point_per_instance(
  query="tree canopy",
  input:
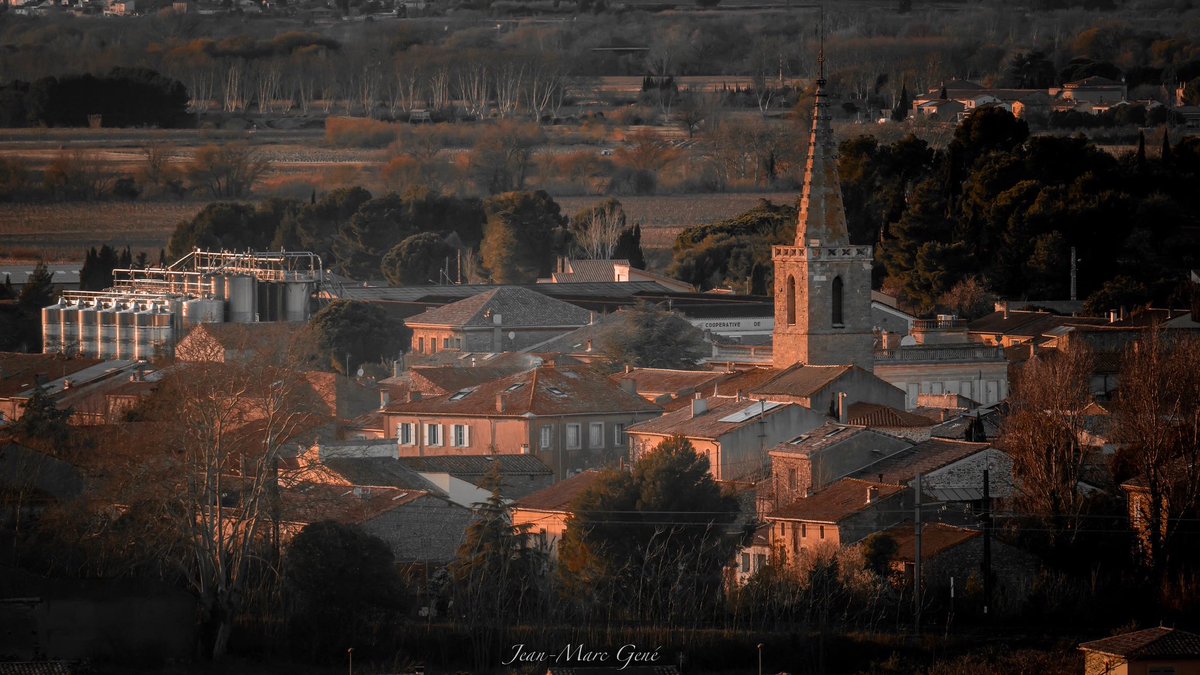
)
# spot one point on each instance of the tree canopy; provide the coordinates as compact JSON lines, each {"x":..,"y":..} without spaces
{"x":651,"y":542}
{"x":350,"y":333}
{"x":522,"y":234}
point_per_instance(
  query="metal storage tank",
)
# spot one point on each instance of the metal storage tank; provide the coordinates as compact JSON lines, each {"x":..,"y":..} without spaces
{"x":52,"y":327}
{"x":106,"y":319}
{"x":126,"y":333}
{"x":69,"y":339}
{"x":163,"y":337}
{"x":86,"y":317}
{"x":206,"y":310}
{"x":295,"y":302}
{"x":216,"y":286}
{"x":242,"y":295}
{"x":142,"y":332}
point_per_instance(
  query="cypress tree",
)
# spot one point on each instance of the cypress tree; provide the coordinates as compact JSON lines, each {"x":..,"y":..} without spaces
{"x":1166,"y":148}
{"x":1141,"y":150}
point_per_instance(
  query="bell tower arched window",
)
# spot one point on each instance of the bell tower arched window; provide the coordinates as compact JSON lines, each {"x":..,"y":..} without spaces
{"x":790,"y":300}
{"x":837,"y":302}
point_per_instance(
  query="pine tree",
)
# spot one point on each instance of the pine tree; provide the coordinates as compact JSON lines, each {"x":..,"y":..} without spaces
{"x":38,"y":291}
{"x":125,"y":260}
{"x":87,"y":273}
{"x":162,"y":257}
{"x":900,"y":112}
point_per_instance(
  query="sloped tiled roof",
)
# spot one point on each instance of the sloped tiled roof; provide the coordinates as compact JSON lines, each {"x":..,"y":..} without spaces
{"x":377,"y":472}
{"x":547,"y":390}
{"x":835,"y":503}
{"x":588,"y":270}
{"x":935,"y":538}
{"x":22,"y":372}
{"x":22,"y":467}
{"x":1027,"y":324}
{"x":577,"y":341}
{"x":1149,"y":643}
{"x":923,"y":457}
{"x":708,"y":424}
{"x":558,"y":497}
{"x":517,"y":307}
{"x":36,"y":668}
{"x":832,"y":433}
{"x":1093,"y":81}
{"x":802,"y":380}
{"x":311,"y":502}
{"x":654,"y":381}
{"x":477,"y":465}
{"x":876,"y":415}
{"x":449,"y":379}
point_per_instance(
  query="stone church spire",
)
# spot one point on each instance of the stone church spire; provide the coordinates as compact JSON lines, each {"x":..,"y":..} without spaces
{"x":822,"y":213}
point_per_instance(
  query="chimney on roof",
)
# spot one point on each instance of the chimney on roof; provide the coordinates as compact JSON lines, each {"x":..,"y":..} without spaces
{"x":591,"y":318}
{"x":589,"y":344}
{"x":699,"y":406}
{"x":67,"y":384}
{"x":1112,"y":316}
{"x":872,"y":494}
{"x":1004,"y":308}
{"x":885,"y":340}
{"x":628,"y":368}
{"x":842,"y":408}
{"x":501,"y":405}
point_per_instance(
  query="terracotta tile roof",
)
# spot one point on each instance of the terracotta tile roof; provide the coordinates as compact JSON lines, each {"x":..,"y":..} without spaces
{"x":449,"y":379}
{"x":835,"y":503}
{"x":576,"y":341}
{"x":245,"y":337}
{"x":923,"y":457}
{"x":657,"y":381}
{"x":876,"y":415}
{"x":477,"y":465}
{"x":712,"y":423}
{"x":517,"y":307}
{"x":312,"y":502}
{"x":559,"y":497}
{"x":801,"y":380}
{"x":377,"y":472}
{"x":546,"y":390}
{"x":745,"y":381}
{"x":1022,"y":323}
{"x":832,"y":433}
{"x":935,"y":538}
{"x":1149,"y":643}
{"x":21,"y":372}
{"x":582,"y":271}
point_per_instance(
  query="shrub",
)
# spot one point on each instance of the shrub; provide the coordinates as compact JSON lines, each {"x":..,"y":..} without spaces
{"x":359,"y":132}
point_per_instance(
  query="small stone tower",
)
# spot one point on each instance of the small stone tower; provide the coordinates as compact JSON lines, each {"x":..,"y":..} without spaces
{"x":823,"y":283}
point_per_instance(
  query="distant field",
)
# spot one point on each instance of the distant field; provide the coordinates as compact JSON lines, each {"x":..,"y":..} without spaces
{"x":66,"y":230}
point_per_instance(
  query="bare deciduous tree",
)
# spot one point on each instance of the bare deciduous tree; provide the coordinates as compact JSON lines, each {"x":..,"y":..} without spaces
{"x":1043,"y":434}
{"x":228,"y":170}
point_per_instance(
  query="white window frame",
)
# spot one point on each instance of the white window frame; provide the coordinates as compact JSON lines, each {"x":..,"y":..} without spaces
{"x":434,"y":437}
{"x":596,"y":434}
{"x":461,"y":437}
{"x":578,"y":436}
{"x":546,"y":439}
{"x":406,"y":433}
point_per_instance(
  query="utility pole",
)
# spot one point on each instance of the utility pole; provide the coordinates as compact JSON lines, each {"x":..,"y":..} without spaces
{"x":917,"y":562}
{"x":987,"y":544}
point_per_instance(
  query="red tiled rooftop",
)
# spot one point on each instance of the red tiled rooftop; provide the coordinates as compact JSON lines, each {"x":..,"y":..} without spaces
{"x":835,"y":503}
{"x":1149,"y":643}
{"x":561,"y":495}
{"x":935,"y":538}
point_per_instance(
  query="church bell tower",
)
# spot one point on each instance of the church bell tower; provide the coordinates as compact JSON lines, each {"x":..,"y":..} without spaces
{"x":823,"y":282}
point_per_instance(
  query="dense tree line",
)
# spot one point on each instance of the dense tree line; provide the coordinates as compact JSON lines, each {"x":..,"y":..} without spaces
{"x":419,"y":237}
{"x":996,"y":207}
{"x":124,"y":97}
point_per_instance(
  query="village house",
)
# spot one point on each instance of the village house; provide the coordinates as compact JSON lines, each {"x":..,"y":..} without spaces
{"x":234,"y":342}
{"x":75,"y":382}
{"x":543,"y":515}
{"x":573,"y":418}
{"x":954,"y":556}
{"x":842,"y":514}
{"x":733,"y":433}
{"x":816,"y":459}
{"x":508,"y":318}
{"x":1152,"y":651}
